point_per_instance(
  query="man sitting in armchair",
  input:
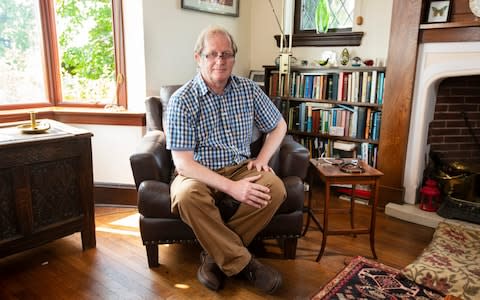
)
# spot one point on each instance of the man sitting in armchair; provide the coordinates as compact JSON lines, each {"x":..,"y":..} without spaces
{"x":209,"y":128}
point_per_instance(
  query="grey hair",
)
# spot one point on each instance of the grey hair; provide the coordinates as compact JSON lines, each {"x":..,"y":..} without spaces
{"x":209,"y":31}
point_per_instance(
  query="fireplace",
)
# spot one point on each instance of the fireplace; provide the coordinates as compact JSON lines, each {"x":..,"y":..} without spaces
{"x":436,"y":61}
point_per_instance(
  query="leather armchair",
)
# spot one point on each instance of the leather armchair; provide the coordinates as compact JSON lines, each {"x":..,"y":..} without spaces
{"x":153,"y":168}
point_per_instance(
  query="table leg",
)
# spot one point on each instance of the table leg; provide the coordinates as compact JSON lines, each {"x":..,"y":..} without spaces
{"x":352,"y":209}
{"x":326,"y":205}
{"x":310,"y":215}
{"x":308,"y":209}
{"x":373,"y":218}
{"x":88,"y":232}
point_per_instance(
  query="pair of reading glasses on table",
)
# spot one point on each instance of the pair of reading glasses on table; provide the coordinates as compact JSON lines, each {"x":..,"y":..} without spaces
{"x":347,"y":166}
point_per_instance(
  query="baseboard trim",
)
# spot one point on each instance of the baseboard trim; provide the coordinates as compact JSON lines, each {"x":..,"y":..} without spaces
{"x":115,"y":194}
{"x":388,"y":194}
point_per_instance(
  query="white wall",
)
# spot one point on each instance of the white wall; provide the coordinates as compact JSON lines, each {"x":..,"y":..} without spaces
{"x":112,"y":146}
{"x":159,"y":49}
{"x":171,"y":33}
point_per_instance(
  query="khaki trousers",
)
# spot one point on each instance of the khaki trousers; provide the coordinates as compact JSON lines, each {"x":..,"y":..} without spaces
{"x":226,"y":241}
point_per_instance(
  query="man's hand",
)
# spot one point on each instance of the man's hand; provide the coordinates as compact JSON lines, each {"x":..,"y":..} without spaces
{"x":260,"y":166}
{"x":251,"y":193}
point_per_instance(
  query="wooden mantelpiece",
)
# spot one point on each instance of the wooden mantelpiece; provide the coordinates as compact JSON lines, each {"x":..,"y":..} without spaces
{"x":406,"y":33}
{"x":466,"y":31}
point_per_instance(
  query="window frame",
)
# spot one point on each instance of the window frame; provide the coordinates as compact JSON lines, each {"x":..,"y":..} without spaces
{"x":309,"y":38}
{"x":51,"y":61}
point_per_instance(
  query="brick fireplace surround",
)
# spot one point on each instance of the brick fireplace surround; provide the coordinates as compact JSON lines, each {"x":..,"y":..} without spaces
{"x":447,"y":82}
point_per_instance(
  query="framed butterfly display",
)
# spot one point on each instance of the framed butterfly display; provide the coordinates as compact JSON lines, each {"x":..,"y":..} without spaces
{"x":439,"y":11}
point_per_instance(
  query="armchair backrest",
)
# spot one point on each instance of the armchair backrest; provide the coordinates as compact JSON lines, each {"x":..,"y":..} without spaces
{"x":155,"y":107}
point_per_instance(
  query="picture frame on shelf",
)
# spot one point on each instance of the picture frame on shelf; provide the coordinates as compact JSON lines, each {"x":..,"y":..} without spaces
{"x":439,"y":11}
{"x":258,"y":77}
{"x":219,"y":7}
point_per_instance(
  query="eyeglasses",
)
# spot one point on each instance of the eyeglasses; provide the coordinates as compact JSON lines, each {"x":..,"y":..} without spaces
{"x":212,"y":56}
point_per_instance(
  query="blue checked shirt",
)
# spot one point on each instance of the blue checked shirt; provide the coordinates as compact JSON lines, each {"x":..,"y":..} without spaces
{"x":218,"y":128}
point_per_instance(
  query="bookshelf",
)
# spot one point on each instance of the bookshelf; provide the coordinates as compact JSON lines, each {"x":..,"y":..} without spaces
{"x":334,"y":112}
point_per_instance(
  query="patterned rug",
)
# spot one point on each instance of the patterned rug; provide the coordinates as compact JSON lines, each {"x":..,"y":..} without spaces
{"x":367,"y":279}
{"x":451,"y":262}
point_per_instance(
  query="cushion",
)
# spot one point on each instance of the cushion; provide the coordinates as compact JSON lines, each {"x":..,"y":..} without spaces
{"x":451,"y":262}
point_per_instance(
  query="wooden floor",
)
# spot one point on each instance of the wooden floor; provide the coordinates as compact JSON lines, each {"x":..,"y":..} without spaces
{"x":117,"y":268}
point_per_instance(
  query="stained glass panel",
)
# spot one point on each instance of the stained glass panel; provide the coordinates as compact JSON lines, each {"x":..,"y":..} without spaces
{"x":341,"y":14}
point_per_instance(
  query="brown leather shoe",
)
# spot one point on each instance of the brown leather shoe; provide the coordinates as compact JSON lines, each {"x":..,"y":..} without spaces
{"x":209,"y":274}
{"x":262,"y":277}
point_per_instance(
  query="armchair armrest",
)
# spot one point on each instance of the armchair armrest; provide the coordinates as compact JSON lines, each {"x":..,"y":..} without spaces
{"x":151,"y":160}
{"x":295,"y":195}
{"x":154,"y":200}
{"x":294,"y":158}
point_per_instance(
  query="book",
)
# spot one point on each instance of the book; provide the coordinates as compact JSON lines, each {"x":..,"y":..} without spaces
{"x":345,"y":86}
{"x":364,"y":152}
{"x":368,"y":123}
{"x":341,"y":75}
{"x":345,"y":146}
{"x":361,"y":119}
{"x":373,"y":88}
{"x":364,"y":86}
{"x":376,"y":125}
{"x":309,"y":118}
{"x":380,"y":84}
{"x":334,"y":87}
{"x":315,"y":120}
{"x":293,"y":84}
{"x":274,"y":84}
{"x":308,"y":86}
{"x":302,"y":116}
{"x":365,"y":194}
{"x":344,"y":149}
{"x":353,"y":124}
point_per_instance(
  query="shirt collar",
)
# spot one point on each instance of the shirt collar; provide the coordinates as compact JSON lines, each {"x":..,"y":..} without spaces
{"x":203,"y":88}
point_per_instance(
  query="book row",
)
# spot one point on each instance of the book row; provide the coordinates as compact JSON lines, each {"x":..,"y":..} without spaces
{"x":350,"y":86}
{"x":328,"y":148}
{"x":335,"y":120}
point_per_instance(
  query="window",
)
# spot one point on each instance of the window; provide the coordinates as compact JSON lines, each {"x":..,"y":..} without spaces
{"x":21,"y":57}
{"x":340,"y":25}
{"x":61,"y":52}
{"x":341,"y":15}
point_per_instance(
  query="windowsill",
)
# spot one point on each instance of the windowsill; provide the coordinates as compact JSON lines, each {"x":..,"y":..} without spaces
{"x":77,"y":115}
{"x":323,"y":39}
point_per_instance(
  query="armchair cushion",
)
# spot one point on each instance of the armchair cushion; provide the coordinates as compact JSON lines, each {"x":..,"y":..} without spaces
{"x":154,"y":200}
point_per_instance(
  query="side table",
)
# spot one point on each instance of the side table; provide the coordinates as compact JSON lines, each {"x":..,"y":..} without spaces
{"x":331,"y":174}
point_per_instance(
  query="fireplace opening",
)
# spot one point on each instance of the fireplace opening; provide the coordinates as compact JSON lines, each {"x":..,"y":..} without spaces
{"x":453,"y":139}
{"x":454,"y":132}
